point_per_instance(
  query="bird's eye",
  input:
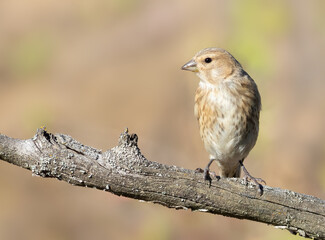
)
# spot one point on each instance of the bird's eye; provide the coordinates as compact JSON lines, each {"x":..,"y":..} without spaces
{"x":208,"y":60}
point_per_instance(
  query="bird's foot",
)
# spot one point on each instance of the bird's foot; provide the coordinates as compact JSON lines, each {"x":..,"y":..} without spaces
{"x":207,"y":174}
{"x":249,"y":178}
{"x":257,"y":181}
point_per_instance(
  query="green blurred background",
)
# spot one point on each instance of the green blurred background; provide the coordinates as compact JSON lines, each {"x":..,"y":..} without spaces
{"x":91,"y":68}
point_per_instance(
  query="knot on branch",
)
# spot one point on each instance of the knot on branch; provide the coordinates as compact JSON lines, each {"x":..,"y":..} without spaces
{"x":126,"y":156}
{"x":43,"y":139}
{"x":127,"y":140}
{"x":42,"y":132}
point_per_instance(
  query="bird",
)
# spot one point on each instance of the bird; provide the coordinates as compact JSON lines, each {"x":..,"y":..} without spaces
{"x":227,"y":107}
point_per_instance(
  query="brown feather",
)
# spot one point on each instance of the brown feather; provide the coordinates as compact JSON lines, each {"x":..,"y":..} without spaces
{"x":227,"y":106}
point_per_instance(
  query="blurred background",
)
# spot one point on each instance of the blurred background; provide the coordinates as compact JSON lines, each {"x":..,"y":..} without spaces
{"x":91,"y":68}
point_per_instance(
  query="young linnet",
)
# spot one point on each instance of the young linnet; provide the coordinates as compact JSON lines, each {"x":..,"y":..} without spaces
{"x":227,"y":106}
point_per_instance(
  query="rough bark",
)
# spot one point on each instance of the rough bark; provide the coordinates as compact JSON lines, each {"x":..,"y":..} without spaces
{"x":123,"y":170}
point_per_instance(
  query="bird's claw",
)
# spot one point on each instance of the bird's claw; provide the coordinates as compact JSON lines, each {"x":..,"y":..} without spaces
{"x":258,"y":182}
{"x":249,"y":178}
{"x":208,"y":176}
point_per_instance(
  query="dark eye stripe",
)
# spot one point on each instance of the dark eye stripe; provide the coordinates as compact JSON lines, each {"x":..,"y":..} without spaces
{"x":208,"y":60}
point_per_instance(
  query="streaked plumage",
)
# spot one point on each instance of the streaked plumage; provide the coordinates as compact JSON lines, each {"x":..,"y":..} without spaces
{"x":227,"y":106}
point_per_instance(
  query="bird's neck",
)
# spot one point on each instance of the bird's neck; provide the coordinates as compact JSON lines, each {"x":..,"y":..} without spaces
{"x":205,"y":85}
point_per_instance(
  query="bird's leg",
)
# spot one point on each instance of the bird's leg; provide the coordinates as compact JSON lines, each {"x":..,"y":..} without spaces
{"x":207,"y":171}
{"x":247,"y":176}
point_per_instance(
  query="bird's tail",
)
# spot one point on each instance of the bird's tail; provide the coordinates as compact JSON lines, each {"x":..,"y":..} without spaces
{"x":237,"y":173}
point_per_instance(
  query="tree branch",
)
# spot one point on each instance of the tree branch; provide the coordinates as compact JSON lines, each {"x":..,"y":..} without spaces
{"x":123,"y":170}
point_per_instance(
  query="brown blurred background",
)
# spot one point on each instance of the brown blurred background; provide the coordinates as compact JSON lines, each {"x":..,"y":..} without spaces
{"x":91,"y":68}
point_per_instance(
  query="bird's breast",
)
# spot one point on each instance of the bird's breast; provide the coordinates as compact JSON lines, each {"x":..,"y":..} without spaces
{"x":225,"y":126}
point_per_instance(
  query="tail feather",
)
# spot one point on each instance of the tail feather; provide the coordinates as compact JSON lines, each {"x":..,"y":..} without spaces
{"x":230,"y":173}
{"x":237,"y":173}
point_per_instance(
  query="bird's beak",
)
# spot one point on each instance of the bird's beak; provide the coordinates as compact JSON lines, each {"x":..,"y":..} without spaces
{"x":190,"y":66}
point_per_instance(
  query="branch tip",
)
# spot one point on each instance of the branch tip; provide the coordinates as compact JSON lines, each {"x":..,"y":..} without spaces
{"x":128,"y":140}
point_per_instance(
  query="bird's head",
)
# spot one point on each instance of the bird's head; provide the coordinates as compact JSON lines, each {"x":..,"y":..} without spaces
{"x":212,"y":65}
